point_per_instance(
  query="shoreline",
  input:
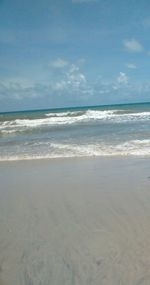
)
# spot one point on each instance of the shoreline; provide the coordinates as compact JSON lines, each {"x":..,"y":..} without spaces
{"x":82,"y":157}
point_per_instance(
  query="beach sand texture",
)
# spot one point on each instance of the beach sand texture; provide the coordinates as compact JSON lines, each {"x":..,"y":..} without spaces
{"x":75,"y":222}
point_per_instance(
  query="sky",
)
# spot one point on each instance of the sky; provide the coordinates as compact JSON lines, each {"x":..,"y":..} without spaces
{"x":59,"y":53}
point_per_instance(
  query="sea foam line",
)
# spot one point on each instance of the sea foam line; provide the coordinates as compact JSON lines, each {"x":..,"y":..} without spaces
{"x":88,"y":116}
{"x":129,"y":148}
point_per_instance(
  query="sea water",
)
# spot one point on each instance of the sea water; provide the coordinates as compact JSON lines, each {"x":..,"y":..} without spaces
{"x":73,"y":132}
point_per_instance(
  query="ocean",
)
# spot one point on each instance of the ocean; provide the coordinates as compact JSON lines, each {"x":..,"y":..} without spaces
{"x":112,"y":130}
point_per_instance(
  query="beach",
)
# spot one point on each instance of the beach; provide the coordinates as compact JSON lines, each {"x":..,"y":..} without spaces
{"x":75,"y":221}
{"x":74,"y":142}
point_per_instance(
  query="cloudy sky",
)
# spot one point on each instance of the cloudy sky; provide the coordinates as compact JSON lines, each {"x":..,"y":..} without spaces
{"x":56,"y":53}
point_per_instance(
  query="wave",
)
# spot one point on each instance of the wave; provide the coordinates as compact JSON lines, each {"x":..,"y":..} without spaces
{"x":66,"y":114}
{"x":133,"y":147}
{"x":57,"y":150}
{"x":57,"y":119}
{"x":6,"y":132}
{"x":69,"y":118}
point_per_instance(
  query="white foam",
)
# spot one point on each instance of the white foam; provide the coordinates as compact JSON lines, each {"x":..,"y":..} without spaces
{"x":57,"y":150}
{"x":133,"y":147}
{"x":7,"y":131}
{"x":68,"y":118}
{"x":65,"y":114}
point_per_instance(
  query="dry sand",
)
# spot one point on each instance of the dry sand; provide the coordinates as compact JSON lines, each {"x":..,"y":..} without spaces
{"x":75,"y":222}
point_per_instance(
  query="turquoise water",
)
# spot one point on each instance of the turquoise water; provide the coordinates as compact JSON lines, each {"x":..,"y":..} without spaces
{"x":73,"y":132}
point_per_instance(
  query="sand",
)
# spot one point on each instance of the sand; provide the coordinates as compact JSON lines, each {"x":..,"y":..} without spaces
{"x":75,"y":222}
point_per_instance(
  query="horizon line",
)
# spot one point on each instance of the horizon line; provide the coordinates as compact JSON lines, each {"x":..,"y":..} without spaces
{"x":73,"y":107}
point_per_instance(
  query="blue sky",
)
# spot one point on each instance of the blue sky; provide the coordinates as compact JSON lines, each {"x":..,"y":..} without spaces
{"x":56,"y":53}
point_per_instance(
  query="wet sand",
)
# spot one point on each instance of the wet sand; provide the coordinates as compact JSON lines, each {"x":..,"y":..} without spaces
{"x":75,"y":222}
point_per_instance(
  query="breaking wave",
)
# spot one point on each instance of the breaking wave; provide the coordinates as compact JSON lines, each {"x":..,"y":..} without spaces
{"x":70,"y":118}
{"x":121,"y":131}
{"x":56,"y":150}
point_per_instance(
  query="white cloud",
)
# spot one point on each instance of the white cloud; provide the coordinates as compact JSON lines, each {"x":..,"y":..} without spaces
{"x":59,"y":86}
{"x":71,"y":88}
{"x":133,"y":45}
{"x":121,"y":81}
{"x":122,"y":78}
{"x":59,"y":63}
{"x":73,"y":80}
{"x":131,"y":65}
{"x":20,"y":89}
{"x":75,"y":77}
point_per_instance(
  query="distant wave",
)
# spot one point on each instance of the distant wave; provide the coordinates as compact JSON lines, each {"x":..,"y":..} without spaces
{"x":66,"y":114}
{"x":56,"y":150}
{"x":69,"y":118}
